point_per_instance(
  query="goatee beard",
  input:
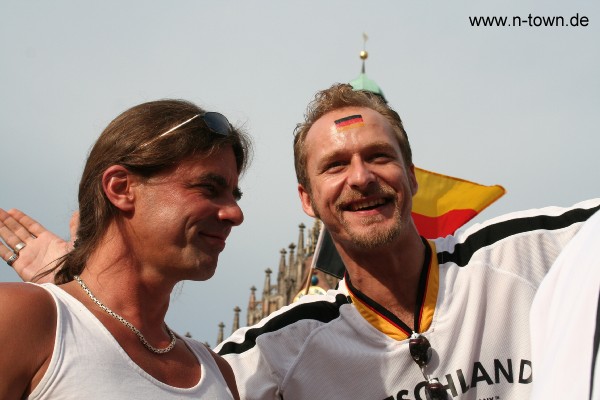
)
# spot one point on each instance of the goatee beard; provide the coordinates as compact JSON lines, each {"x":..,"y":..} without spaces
{"x":374,"y":238}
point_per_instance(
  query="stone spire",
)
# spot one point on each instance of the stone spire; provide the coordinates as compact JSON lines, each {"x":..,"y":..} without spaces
{"x":251,"y":306}
{"x":252,"y":301}
{"x":282,"y":272}
{"x":236,"y":319}
{"x":267,"y":286}
{"x":300,"y":253}
{"x":293,"y":269}
{"x":292,"y":259}
{"x":266,"y":293}
{"x":220,"y":335}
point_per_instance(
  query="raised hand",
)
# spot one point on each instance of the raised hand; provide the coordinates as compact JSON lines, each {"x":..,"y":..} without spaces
{"x":29,"y":247}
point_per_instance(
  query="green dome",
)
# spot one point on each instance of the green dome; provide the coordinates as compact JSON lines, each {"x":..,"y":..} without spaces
{"x":364,"y":83}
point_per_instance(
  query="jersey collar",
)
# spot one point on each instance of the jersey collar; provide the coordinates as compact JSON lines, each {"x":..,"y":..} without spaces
{"x":386,"y":322}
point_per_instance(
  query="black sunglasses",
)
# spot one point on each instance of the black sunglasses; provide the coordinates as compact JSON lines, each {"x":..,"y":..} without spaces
{"x":420,"y":350}
{"x":217,"y":123}
{"x":214,"y":121}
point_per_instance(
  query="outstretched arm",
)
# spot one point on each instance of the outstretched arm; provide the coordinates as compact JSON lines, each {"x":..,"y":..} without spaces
{"x":36,"y":248}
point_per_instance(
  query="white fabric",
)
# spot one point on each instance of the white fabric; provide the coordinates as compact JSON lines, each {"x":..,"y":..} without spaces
{"x":88,"y":363}
{"x":563,"y":319}
{"x":319,"y":349}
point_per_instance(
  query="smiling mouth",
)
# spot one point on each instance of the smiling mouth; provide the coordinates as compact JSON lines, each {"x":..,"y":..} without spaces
{"x":218,"y":240}
{"x":365,"y":205}
{"x":215,"y":242}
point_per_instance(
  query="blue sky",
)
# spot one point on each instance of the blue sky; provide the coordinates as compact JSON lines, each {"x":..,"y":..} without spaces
{"x":515,"y":106}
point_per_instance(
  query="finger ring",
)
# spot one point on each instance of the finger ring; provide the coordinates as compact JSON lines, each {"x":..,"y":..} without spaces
{"x":18,"y":247}
{"x":12,"y":259}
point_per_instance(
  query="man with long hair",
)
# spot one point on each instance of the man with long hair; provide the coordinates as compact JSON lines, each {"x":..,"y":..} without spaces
{"x":157,"y":200}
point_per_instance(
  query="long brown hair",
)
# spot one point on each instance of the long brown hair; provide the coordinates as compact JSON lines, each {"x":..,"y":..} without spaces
{"x":130,"y":141}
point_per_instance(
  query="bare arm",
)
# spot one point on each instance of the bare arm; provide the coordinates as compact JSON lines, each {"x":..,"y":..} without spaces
{"x":42,"y":247}
{"x":27,"y":328}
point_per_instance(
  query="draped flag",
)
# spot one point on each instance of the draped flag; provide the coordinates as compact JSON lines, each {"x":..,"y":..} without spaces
{"x":441,"y":206}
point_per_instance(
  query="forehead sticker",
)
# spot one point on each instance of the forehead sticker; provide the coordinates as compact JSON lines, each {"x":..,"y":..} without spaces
{"x":353,"y":121}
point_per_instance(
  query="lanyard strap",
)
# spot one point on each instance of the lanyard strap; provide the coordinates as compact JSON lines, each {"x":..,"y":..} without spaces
{"x":421,"y":292}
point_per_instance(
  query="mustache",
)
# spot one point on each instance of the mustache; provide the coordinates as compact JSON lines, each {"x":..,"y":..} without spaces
{"x":352,"y":195}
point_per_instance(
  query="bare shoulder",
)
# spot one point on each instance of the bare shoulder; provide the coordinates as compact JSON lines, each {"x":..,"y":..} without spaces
{"x":24,"y":301}
{"x":28,"y":323}
{"x":227,"y":373}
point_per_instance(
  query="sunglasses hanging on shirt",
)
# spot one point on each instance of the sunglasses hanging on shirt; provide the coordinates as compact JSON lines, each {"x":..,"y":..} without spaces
{"x":420,"y":350}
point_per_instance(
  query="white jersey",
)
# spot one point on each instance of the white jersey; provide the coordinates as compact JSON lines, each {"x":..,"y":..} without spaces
{"x":475,"y":300}
{"x":88,"y":363}
{"x":564,"y":321}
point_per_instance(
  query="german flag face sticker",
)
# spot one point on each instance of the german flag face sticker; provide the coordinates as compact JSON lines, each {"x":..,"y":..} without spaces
{"x":353,"y":121}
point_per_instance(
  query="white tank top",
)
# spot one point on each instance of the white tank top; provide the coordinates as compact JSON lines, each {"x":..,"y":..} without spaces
{"x":88,"y":363}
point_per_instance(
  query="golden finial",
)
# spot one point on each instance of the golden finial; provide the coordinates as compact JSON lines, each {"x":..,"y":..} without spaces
{"x":363,"y":54}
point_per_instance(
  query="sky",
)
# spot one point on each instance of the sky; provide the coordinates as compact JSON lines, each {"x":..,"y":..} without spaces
{"x":513,"y":105}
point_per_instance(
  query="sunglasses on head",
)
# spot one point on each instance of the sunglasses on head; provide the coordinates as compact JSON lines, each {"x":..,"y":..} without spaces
{"x":420,"y":350}
{"x":214,"y":121}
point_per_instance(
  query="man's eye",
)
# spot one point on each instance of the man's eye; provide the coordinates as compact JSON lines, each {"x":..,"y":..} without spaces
{"x":381,"y":157}
{"x":334,"y":166}
{"x":211,"y":190}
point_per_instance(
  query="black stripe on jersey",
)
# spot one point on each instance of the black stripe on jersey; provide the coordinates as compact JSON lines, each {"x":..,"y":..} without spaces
{"x":324,"y":311}
{"x":491,"y":234}
{"x":596,"y":342}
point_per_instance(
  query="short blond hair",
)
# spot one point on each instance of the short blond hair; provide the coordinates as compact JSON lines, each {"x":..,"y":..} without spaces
{"x":338,"y":96}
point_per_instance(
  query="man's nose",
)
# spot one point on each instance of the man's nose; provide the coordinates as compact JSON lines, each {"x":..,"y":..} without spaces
{"x":232,"y":212}
{"x":359,"y":174}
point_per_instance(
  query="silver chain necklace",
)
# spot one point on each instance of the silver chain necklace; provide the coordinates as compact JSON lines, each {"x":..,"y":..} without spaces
{"x":129,"y":324}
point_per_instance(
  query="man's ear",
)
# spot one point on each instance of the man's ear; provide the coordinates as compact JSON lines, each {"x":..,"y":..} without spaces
{"x":117,"y":185}
{"x":412,"y":179}
{"x":306,"y":202}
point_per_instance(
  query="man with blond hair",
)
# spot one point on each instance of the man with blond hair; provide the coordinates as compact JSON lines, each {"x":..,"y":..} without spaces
{"x":412,"y":318}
